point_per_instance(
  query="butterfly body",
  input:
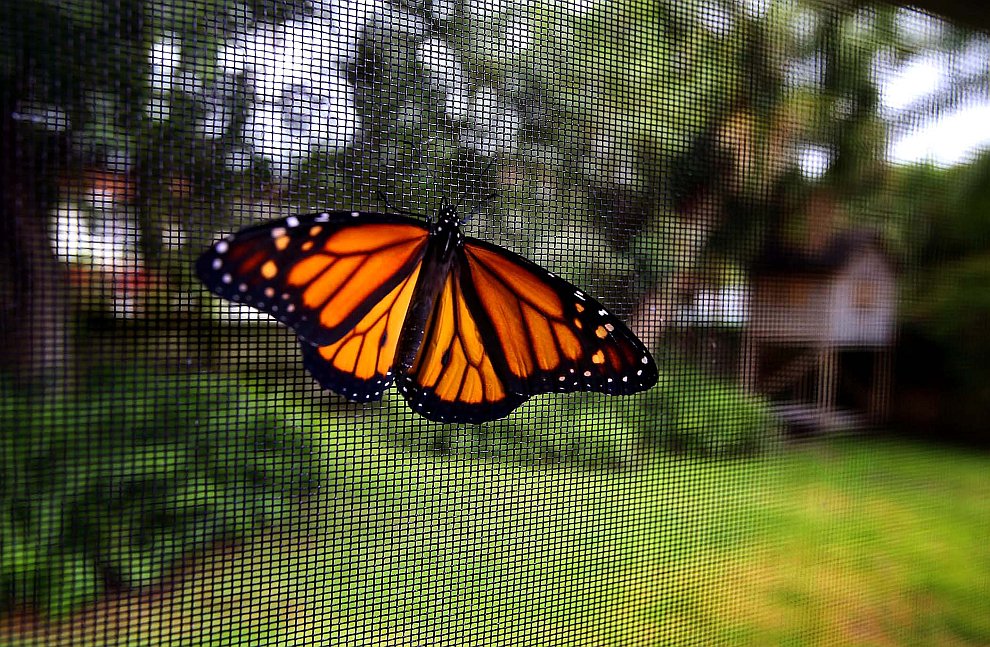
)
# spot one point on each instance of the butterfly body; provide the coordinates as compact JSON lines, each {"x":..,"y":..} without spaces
{"x":468,"y":330}
{"x":444,"y":243}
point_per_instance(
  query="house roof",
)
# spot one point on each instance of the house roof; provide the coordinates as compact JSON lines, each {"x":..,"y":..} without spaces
{"x":833,"y":256}
{"x":966,"y":12}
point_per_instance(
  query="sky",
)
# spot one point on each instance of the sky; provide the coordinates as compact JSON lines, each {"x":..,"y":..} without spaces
{"x":945,"y":140}
{"x":951,"y":139}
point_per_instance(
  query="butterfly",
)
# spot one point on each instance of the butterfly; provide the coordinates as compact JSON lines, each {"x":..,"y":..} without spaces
{"x":466,"y":329}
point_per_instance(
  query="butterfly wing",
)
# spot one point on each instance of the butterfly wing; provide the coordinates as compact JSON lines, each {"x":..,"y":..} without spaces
{"x":358,"y":366}
{"x":504,"y":329}
{"x":322,"y":274}
{"x":549,"y":335}
{"x":453,"y":378}
{"x":342,"y":280}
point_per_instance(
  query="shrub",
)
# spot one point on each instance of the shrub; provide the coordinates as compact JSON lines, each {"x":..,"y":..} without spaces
{"x":114,"y":484}
{"x":575,"y":429}
{"x":703,"y":415}
{"x":687,"y":412}
{"x":950,"y":310}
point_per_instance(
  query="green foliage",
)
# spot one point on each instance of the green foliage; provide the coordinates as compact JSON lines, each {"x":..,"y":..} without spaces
{"x":957,"y":308}
{"x":708,"y":416}
{"x":571,"y":429}
{"x":662,"y":60}
{"x":117,"y":482}
{"x":962,"y":225}
{"x":689,"y":412}
{"x":946,"y":248}
{"x":952,"y":309}
{"x":931,"y":214}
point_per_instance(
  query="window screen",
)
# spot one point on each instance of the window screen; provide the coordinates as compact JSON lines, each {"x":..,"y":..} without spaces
{"x":481,"y":322}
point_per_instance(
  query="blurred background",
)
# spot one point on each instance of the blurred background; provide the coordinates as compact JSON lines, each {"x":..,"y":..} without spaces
{"x":787,"y":201}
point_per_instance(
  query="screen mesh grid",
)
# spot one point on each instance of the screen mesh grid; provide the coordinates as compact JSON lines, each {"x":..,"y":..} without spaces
{"x":733,"y":181}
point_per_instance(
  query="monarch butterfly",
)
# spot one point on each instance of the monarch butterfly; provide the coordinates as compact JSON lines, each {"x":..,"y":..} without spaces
{"x":468,"y":330}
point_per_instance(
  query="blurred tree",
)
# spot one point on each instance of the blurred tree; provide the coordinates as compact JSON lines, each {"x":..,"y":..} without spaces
{"x":46,"y":77}
{"x":653,"y":133}
{"x":80,"y":87}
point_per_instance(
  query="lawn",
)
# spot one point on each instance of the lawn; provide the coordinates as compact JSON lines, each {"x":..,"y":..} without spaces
{"x":855,"y":542}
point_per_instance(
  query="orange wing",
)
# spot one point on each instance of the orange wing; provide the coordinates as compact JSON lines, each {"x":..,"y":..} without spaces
{"x":358,"y":366}
{"x":322,"y":275}
{"x":454,"y":378}
{"x":546,"y":334}
{"x":504,"y":329}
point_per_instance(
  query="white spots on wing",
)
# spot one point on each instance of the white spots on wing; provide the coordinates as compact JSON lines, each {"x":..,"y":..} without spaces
{"x":645,"y":360}
{"x":292,"y":222}
{"x":222,"y":247}
{"x":242,"y":287}
{"x":625,"y":378}
{"x":355,"y":214}
{"x":323,"y":217}
{"x":579,"y":295}
{"x":278,"y":232}
{"x":609,"y":327}
{"x":217,"y":264}
{"x":291,"y":308}
{"x":587,"y":373}
{"x":226,"y":278}
{"x":603,"y":312}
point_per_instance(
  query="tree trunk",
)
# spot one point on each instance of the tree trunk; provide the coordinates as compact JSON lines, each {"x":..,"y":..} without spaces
{"x":34,"y":311}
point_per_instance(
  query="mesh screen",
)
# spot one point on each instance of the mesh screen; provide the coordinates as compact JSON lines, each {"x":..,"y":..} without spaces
{"x":672,"y":331}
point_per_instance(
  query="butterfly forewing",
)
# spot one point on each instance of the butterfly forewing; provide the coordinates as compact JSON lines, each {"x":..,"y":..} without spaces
{"x":319,"y":274}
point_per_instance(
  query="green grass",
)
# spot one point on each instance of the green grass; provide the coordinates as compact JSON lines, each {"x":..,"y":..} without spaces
{"x":858,"y":542}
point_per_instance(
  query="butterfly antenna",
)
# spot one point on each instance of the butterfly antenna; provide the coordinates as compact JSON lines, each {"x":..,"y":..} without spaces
{"x":383,"y":196}
{"x":488,"y":197}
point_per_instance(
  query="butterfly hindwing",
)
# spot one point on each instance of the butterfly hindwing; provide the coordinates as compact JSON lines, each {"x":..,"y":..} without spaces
{"x":358,"y":366}
{"x":453,"y":378}
{"x":319,"y":274}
